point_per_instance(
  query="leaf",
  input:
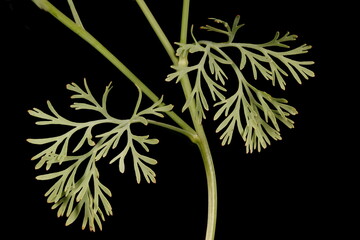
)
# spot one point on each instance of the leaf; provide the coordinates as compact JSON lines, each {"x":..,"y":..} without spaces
{"x":106,"y":94}
{"x":87,"y":137}
{"x":157,"y":109}
{"x":138,"y":158}
{"x":49,"y":176}
{"x":78,"y":189}
{"x":79,"y":106}
{"x":253,"y":113}
{"x":41,"y":141}
{"x":35,"y":112}
{"x":105,"y":190}
{"x":75,"y":213}
{"x":148,"y":173}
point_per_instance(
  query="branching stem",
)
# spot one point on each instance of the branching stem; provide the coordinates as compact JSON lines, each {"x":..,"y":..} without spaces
{"x":198,"y":135}
{"x":201,"y":139}
{"x":202,"y":143}
{"x":47,"y":6}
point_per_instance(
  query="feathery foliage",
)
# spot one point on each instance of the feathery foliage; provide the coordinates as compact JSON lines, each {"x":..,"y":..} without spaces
{"x":250,"y":111}
{"x":254,"y":114}
{"x":73,"y":190}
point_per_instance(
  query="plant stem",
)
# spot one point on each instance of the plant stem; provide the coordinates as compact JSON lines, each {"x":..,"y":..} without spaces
{"x":185,"y":21}
{"x":202,"y":142}
{"x":75,"y":14}
{"x":158,"y":31}
{"x":81,"y":32}
{"x":211,"y":183}
{"x":193,"y":137}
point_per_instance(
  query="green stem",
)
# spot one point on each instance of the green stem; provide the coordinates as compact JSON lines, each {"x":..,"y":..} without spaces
{"x":75,"y":14}
{"x":190,"y":135}
{"x":158,"y":31}
{"x":211,"y":183}
{"x":47,"y":6}
{"x":185,"y":21}
{"x":202,"y":141}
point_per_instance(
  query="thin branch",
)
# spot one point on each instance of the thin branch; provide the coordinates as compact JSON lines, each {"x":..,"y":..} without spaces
{"x":47,"y":6}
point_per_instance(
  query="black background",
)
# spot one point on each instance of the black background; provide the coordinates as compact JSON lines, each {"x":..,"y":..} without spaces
{"x":294,"y":188}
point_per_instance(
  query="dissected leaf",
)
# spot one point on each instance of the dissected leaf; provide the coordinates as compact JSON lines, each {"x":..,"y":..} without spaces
{"x":78,"y":189}
{"x":251,"y":112}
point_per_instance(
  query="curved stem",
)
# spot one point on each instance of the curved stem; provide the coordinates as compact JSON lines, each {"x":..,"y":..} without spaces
{"x":200,"y":137}
{"x":192,"y":136}
{"x":202,"y":142}
{"x":211,"y":187}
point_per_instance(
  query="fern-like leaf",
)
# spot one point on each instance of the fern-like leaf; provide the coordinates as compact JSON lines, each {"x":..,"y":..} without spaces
{"x":78,"y":189}
{"x":255,"y":114}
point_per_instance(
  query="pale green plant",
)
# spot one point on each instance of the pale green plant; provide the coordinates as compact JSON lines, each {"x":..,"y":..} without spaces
{"x":253,"y":113}
{"x":68,"y":190}
{"x":247,"y":101}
